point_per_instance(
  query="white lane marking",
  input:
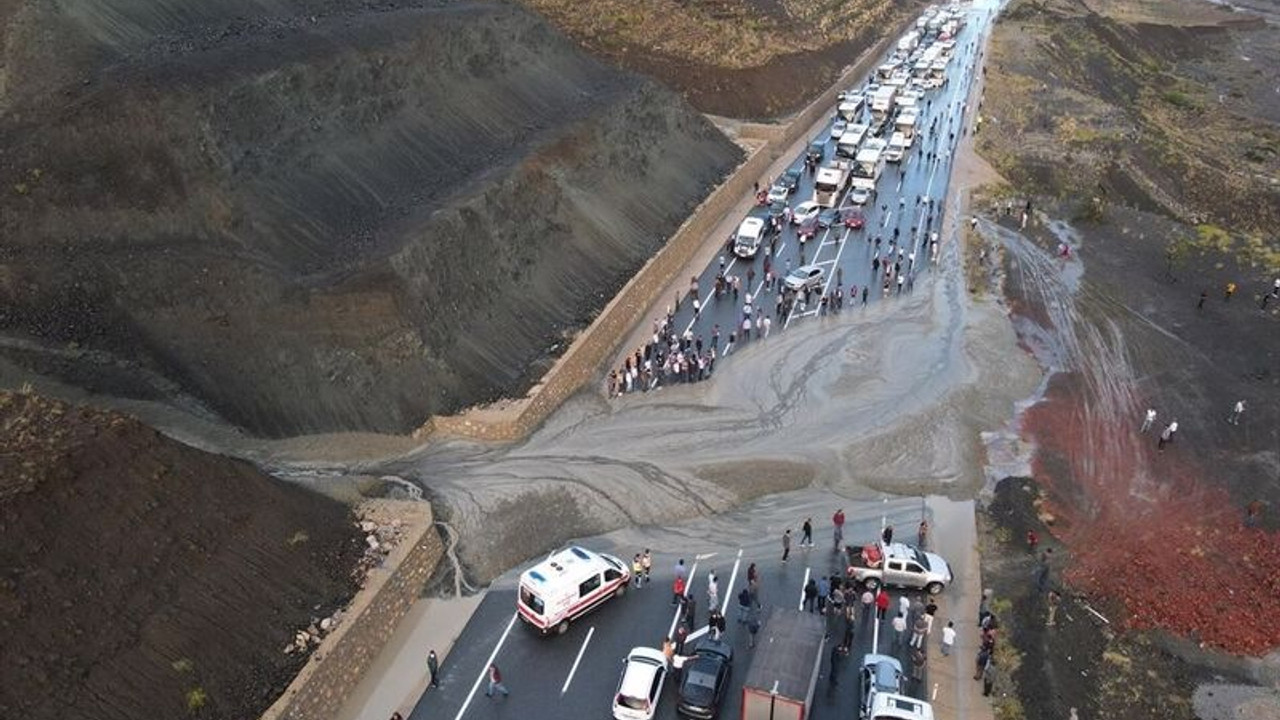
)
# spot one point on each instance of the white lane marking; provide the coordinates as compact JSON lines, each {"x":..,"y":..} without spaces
{"x":574,"y":669}
{"x":875,"y":630}
{"x":484,"y":672}
{"x":733,"y":577}
{"x":802,"y":586}
{"x":887,"y":215}
{"x":704,"y":556}
{"x":697,"y":633}
{"x":688,"y":586}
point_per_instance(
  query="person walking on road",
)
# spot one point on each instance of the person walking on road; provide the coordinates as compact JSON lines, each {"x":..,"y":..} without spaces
{"x":806,"y":533}
{"x":744,"y":605}
{"x":1149,"y":420}
{"x":433,"y":667}
{"x":824,"y":592}
{"x":882,"y":603}
{"x":948,"y":637}
{"x":810,"y":595}
{"x":713,"y":591}
{"x":637,"y":570}
{"x":837,"y":522}
{"x":887,"y":534}
{"x":753,"y":584}
{"x":786,"y":545}
{"x":753,"y":627}
{"x":677,"y":590}
{"x":1166,"y":435}
{"x":837,"y":658}
{"x":922,"y":534}
{"x":1236,"y":412}
{"x":646,"y":560}
{"x":495,"y":682}
{"x":680,"y":570}
{"x":918,"y":630}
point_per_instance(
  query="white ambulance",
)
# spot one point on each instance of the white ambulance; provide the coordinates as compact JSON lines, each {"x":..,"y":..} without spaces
{"x":567,"y":585}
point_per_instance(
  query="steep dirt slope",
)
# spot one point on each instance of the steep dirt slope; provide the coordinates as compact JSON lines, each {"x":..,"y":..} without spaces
{"x":138,"y":575}
{"x":1168,"y":107}
{"x":309,"y":217}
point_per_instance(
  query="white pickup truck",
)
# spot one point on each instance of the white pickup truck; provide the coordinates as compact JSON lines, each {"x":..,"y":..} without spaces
{"x":898,"y":565}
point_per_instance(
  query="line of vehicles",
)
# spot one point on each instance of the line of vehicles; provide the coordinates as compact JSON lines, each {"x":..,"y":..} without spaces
{"x":874,"y":126}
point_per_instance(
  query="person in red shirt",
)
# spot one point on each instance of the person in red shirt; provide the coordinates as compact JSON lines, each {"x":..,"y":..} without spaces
{"x":1032,"y":540}
{"x":677,"y":588}
{"x":838,"y":521}
{"x":882,"y":603}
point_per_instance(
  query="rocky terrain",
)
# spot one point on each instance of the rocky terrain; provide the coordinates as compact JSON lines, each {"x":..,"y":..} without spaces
{"x":140,"y":578}
{"x":304,"y":217}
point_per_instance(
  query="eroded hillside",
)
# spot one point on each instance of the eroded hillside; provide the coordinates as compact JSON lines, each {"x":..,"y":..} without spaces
{"x":140,"y":578}
{"x":311,"y":218}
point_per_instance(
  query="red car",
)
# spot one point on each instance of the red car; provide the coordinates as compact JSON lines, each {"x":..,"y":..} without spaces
{"x":808,"y":229}
{"x":853,"y":218}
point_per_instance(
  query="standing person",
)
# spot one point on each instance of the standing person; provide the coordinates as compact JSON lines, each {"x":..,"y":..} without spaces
{"x":806,"y":533}
{"x":821,"y":589}
{"x":677,"y":590}
{"x":887,"y":534}
{"x":744,"y":605}
{"x":637,"y":570}
{"x":899,"y":630}
{"x":786,"y":545}
{"x":836,"y":659}
{"x":984,"y":608}
{"x":846,"y":643}
{"x":1149,"y":420}
{"x":904,"y":604}
{"x":1042,"y":573}
{"x":753,"y":583}
{"x":690,"y":611}
{"x":1236,"y":412}
{"x":713,"y":591}
{"x":1054,"y":599}
{"x":1204,"y":295}
{"x":433,"y":667}
{"x":930,"y":611}
{"x":753,"y":627}
{"x":948,"y":637}
{"x":868,"y":602}
{"x":918,"y":630}
{"x":882,"y":603}
{"x":1231,"y":290}
{"x":680,"y":570}
{"x":646,"y":560}
{"x":495,"y":682}
{"x":837,"y":522}
{"x":988,"y":676}
{"x":917,"y":665}
{"x":668,"y":650}
{"x":922,"y":534}
{"x":1166,"y":436}
{"x":810,"y":595}
{"x":682,"y":634}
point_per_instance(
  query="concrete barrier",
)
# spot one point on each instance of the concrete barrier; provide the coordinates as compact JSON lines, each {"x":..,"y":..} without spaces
{"x":338,"y":664}
{"x":583,"y":361}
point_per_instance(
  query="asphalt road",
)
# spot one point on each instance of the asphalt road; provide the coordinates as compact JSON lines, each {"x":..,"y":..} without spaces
{"x":846,"y":255}
{"x":575,"y":675}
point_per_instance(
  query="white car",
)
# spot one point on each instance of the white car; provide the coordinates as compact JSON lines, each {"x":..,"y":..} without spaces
{"x":837,"y":129}
{"x":804,"y":211}
{"x":805,"y":276}
{"x":777,"y":193}
{"x":861,"y":195}
{"x":643,"y":674}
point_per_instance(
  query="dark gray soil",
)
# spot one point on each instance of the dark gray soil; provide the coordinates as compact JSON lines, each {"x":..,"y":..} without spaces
{"x":322,"y":217}
{"x":137,"y":573}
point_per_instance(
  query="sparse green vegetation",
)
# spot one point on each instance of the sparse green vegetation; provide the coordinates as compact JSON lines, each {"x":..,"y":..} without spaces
{"x":196,"y":699}
{"x":1177,"y":98}
{"x":182,"y":665}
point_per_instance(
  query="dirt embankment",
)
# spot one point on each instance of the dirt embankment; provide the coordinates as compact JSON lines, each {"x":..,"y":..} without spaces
{"x":1168,"y":107}
{"x":310,"y":219}
{"x":736,"y":58}
{"x":140,"y":578}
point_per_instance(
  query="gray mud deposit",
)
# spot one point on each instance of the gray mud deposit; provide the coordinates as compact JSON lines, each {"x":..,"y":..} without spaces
{"x":306,"y":219}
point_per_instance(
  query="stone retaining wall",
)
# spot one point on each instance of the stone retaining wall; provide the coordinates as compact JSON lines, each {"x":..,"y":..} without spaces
{"x":594,"y":347}
{"x":336,"y":667}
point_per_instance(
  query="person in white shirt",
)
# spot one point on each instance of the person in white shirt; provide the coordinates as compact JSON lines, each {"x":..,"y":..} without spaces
{"x":1150,"y":419}
{"x":899,"y":629}
{"x":948,"y":637}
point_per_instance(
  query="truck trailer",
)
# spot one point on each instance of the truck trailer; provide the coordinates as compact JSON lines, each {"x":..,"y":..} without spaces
{"x":785,"y":667}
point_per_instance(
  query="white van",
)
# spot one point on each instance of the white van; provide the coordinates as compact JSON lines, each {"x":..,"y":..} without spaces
{"x":746,"y":242}
{"x":890,"y":706}
{"x":897,"y":148}
{"x":568,"y":585}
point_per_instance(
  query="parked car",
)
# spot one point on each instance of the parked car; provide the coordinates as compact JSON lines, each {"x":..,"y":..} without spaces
{"x":805,"y":276}
{"x":879,"y":674}
{"x":705,"y":678}
{"x":643,"y":673}
{"x":804,"y":211}
{"x":853,"y":218}
{"x":837,"y":129}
